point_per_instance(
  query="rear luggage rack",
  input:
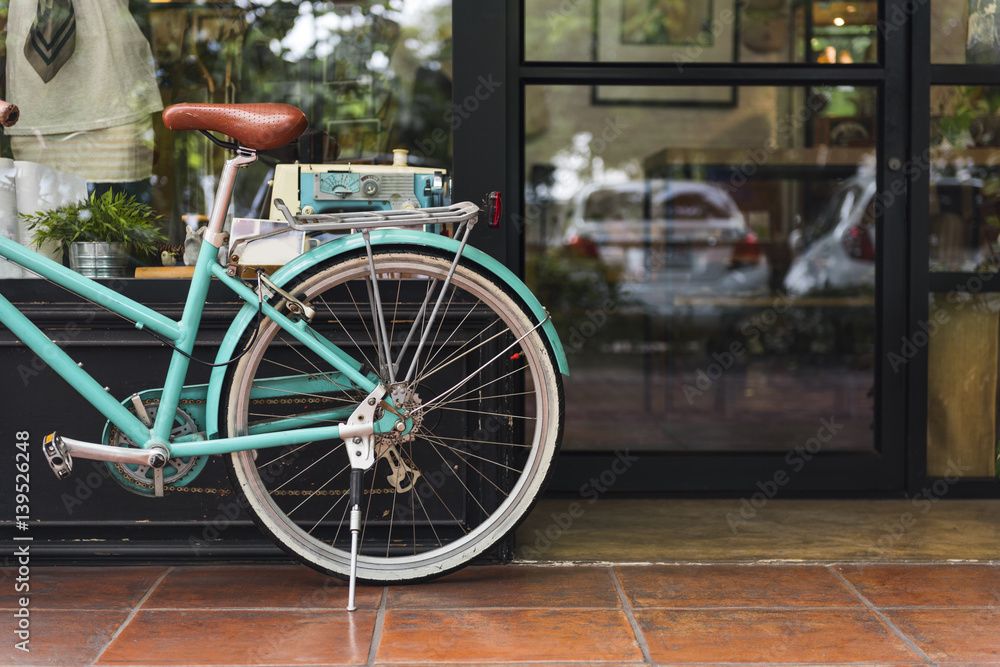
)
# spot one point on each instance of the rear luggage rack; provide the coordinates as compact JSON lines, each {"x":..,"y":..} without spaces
{"x":460,"y":213}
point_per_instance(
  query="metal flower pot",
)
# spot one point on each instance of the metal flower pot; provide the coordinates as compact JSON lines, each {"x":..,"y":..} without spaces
{"x":99,"y":260}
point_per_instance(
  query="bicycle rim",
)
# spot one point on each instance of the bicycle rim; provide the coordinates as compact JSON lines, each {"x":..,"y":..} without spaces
{"x":488,"y":413}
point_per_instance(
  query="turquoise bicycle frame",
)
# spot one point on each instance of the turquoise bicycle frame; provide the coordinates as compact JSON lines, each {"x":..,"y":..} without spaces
{"x":183,"y":334}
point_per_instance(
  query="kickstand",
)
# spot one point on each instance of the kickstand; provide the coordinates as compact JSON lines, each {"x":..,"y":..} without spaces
{"x":357,"y":481}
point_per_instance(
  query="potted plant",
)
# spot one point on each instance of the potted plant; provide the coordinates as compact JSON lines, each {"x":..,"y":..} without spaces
{"x":100,"y":233}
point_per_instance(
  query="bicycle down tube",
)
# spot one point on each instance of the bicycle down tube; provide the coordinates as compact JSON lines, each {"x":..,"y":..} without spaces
{"x":183,"y":334}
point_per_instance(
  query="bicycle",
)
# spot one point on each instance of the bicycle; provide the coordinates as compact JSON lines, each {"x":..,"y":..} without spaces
{"x":391,"y":349}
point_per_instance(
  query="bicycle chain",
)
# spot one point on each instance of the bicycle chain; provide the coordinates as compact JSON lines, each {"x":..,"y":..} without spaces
{"x":227,"y":492}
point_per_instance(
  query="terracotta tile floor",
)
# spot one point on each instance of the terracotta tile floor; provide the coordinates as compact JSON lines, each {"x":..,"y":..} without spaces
{"x":666,"y":614}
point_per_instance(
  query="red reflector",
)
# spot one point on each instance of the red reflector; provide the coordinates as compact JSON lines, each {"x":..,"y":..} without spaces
{"x":494,"y":209}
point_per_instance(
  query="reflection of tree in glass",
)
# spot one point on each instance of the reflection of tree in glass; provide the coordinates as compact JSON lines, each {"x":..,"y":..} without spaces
{"x":359,"y":61}
{"x":660,"y":22}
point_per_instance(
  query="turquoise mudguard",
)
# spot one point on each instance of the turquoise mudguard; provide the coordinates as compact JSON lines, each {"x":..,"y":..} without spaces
{"x":380,"y":237}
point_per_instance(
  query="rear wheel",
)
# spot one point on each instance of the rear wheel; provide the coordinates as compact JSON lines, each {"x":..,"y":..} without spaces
{"x":485,"y":397}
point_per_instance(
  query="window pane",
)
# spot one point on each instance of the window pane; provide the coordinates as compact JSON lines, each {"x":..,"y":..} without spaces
{"x":961,"y":336}
{"x":371,"y":76}
{"x":962,"y":331}
{"x":964,"y":206}
{"x":711,"y":270}
{"x":708,"y":31}
{"x":964,"y":32}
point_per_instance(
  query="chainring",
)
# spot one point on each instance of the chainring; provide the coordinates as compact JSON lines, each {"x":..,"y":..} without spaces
{"x":178,"y":472}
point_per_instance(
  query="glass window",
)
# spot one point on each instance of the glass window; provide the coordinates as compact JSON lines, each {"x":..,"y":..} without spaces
{"x":964,"y":203}
{"x":371,"y":77}
{"x":711,"y":270}
{"x":961,"y":334}
{"x":707,"y":31}
{"x":963,"y":324}
{"x":965,"y":32}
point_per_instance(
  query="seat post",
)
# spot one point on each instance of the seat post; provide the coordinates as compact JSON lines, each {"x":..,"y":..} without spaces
{"x":243,"y":158}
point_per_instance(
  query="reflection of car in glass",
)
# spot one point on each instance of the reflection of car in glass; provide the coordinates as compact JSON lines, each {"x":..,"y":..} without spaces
{"x":837,"y":252}
{"x":667,"y":239}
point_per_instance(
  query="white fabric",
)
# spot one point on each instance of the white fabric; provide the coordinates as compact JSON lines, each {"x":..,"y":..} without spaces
{"x":27,"y":187}
{"x":119,"y":154}
{"x":108,"y":81}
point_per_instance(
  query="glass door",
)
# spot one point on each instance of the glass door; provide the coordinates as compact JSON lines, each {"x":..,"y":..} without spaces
{"x":713,"y":217}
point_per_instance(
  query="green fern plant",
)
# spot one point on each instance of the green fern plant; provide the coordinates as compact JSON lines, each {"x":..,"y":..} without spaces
{"x":109,"y":218}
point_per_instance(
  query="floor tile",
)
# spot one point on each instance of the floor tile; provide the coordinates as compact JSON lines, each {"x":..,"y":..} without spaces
{"x":503,"y":635}
{"x":257,"y":587}
{"x":82,"y":587}
{"x":960,"y":636}
{"x":202,"y":638}
{"x":60,"y":638}
{"x":582,"y":663}
{"x":770,"y":636}
{"x":511,"y":586}
{"x":734,"y":586}
{"x":953,"y":585}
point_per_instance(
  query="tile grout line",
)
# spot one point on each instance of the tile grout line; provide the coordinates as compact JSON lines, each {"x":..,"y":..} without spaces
{"x":132,"y":614}
{"x":912,"y":645}
{"x":379,"y":623}
{"x":640,"y":637}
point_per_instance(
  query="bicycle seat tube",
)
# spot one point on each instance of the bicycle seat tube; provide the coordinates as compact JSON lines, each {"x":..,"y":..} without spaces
{"x":243,"y":158}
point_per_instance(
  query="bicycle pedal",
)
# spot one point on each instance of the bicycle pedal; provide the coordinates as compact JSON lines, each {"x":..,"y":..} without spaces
{"x":57,"y":455}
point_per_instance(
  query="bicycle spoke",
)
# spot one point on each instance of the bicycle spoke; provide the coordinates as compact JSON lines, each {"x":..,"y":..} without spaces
{"x":291,"y":451}
{"x":505,"y":415}
{"x":294,"y":417}
{"x":347,"y":331}
{"x":306,"y":469}
{"x":451,"y":391}
{"x":294,"y":348}
{"x":461,"y":351}
{"x":412,"y":374}
{"x":459,"y":479}
{"x":459,"y":452}
{"x":434,"y":494}
{"x":312,"y":494}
